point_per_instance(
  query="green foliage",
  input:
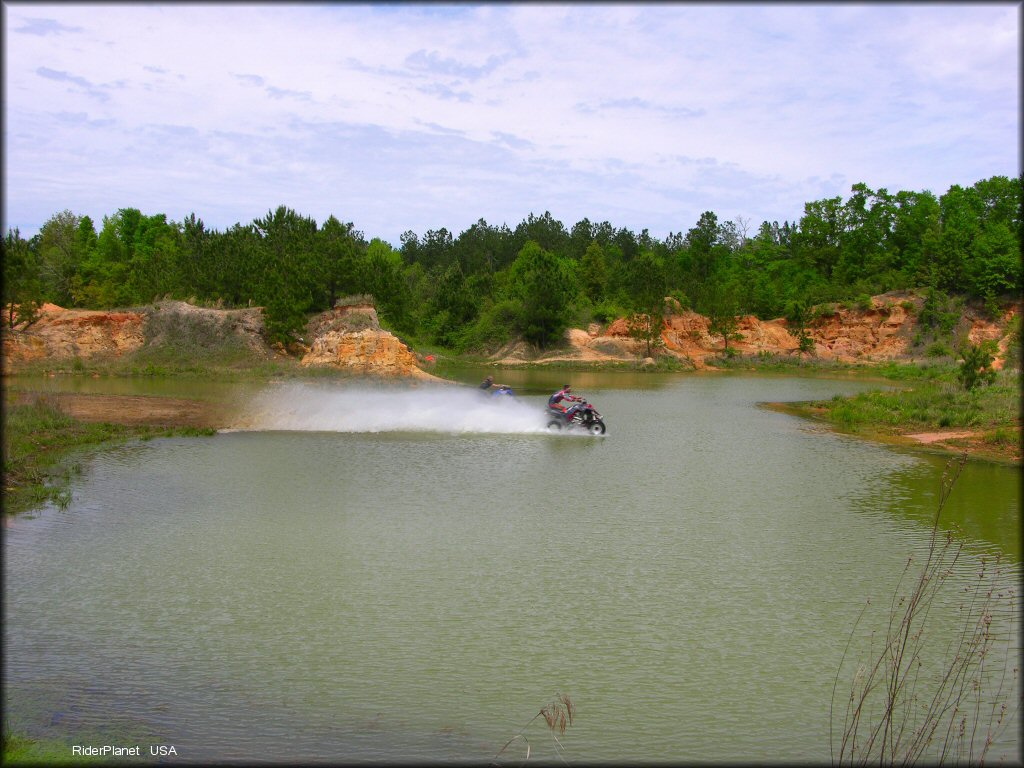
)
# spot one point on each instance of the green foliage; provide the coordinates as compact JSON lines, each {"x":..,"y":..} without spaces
{"x":543,"y":283}
{"x":976,"y":368}
{"x":722,"y":309}
{"x":932,"y":403}
{"x":594,"y":272}
{"x":646,"y":328}
{"x":437,"y":287}
{"x":607,"y":312}
{"x":938,"y":349}
{"x":939,"y":313}
{"x":823,"y":311}
{"x":22,"y":284}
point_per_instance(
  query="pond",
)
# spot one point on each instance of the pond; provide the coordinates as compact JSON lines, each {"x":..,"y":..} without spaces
{"x":410,"y":573}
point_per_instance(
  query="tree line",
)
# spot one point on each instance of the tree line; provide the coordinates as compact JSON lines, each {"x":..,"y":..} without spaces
{"x":489,"y":284}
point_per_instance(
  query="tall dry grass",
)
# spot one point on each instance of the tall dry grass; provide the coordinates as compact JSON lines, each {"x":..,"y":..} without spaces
{"x":923,"y":696}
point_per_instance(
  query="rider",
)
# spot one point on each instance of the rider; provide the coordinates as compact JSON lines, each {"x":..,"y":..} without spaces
{"x":565,"y":393}
{"x":487,"y":383}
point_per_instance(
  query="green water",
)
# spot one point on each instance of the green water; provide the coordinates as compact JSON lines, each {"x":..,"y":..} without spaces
{"x":394,"y":574}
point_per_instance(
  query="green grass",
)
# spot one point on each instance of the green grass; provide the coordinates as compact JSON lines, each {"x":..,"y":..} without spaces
{"x":930,"y":404}
{"x":40,"y":446}
{"x":22,"y":750}
{"x":773,"y":362}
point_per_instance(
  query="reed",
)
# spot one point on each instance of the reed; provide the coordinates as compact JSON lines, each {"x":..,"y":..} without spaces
{"x":558,"y":714}
{"x":901,"y":707}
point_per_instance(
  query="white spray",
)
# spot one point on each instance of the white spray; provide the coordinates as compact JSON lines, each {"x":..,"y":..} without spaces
{"x":306,"y":407}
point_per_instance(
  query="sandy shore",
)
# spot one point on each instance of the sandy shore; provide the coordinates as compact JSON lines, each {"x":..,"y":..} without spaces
{"x":130,"y":409}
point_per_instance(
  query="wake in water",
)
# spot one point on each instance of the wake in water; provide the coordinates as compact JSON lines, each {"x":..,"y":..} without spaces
{"x":304,"y":407}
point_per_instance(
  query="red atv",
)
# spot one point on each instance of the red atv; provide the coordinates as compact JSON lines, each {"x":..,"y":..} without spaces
{"x":580,"y":416}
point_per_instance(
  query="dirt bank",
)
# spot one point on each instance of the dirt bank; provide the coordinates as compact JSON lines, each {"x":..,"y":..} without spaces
{"x":348,"y":338}
{"x":885,"y":329}
{"x":130,"y":409}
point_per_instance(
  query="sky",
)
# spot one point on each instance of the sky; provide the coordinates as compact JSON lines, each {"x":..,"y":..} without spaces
{"x":423,"y":116}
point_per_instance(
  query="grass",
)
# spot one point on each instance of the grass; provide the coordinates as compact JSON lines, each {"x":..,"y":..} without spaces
{"x":40,"y":444}
{"x":930,"y":405}
{"x":22,"y":750}
{"x":932,"y":402}
{"x":559,"y":714}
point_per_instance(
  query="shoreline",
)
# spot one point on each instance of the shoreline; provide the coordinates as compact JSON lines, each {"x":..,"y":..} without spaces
{"x":949,"y":442}
{"x":184,"y":413}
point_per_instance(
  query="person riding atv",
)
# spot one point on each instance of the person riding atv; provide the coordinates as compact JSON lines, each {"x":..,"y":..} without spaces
{"x":488,"y":387}
{"x":487,"y":383}
{"x":565,"y":393}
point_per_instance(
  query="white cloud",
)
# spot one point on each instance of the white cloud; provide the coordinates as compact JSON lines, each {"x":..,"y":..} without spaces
{"x":427,"y":116}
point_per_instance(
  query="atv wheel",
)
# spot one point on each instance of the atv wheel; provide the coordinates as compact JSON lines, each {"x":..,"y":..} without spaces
{"x":596,"y":428}
{"x":555,"y":425}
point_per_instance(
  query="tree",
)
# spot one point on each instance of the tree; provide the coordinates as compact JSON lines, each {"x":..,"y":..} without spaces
{"x":818,"y":241}
{"x":452,"y":306}
{"x":976,"y":367}
{"x":700,"y":243}
{"x":722,"y":312}
{"x":646,"y":328}
{"x":593,"y":272}
{"x":483,"y":249}
{"x":338,"y":260}
{"x":384,"y":278}
{"x":435,"y":250}
{"x":22,"y":287}
{"x":545,"y":231}
{"x":155,"y":260}
{"x":543,"y":284}
{"x":60,"y":257}
{"x":285,"y":272}
{"x":195,"y":257}
{"x":868,"y":218}
{"x":915,"y":231}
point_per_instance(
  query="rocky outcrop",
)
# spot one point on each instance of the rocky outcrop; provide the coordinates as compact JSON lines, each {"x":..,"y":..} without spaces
{"x":347,"y":338}
{"x":886,"y":329}
{"x":59,"y":333}
{"x":178,"y":323}
{"x":64,"y":334}
{"x":350,"y":339}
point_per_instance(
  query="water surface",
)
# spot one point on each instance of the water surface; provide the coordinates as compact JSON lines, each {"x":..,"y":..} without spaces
{"x":411,"y":574}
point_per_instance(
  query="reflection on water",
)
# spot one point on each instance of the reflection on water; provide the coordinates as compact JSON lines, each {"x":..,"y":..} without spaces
{"x":337,"y":589}
{"x":985,"y":507}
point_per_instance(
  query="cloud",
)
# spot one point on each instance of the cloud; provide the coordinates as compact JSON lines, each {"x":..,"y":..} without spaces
{"x":53,"y":74}
{"x":635,"y":104}
{"x":255,"y":80}
{"x":287,"y":93}
{"x":442,"y":91}
{"x":87,"y":87}
{"x":433,"y":63}
{"x":43,"y":27}
{"x":415,"y":117}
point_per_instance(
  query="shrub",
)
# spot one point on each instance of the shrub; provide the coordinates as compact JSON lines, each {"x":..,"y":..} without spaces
{"x":977,"y":365}
{"x":938,"y":349}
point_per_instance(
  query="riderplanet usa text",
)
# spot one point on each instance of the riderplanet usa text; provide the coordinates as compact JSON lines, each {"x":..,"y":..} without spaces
{"x":163,"y":750}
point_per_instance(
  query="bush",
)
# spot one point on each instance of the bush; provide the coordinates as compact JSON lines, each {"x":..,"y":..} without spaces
{"x":977,"y":368}
{"x":606,"y":312}
{"x":938,"y":349}
{"x":824,"y":311}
